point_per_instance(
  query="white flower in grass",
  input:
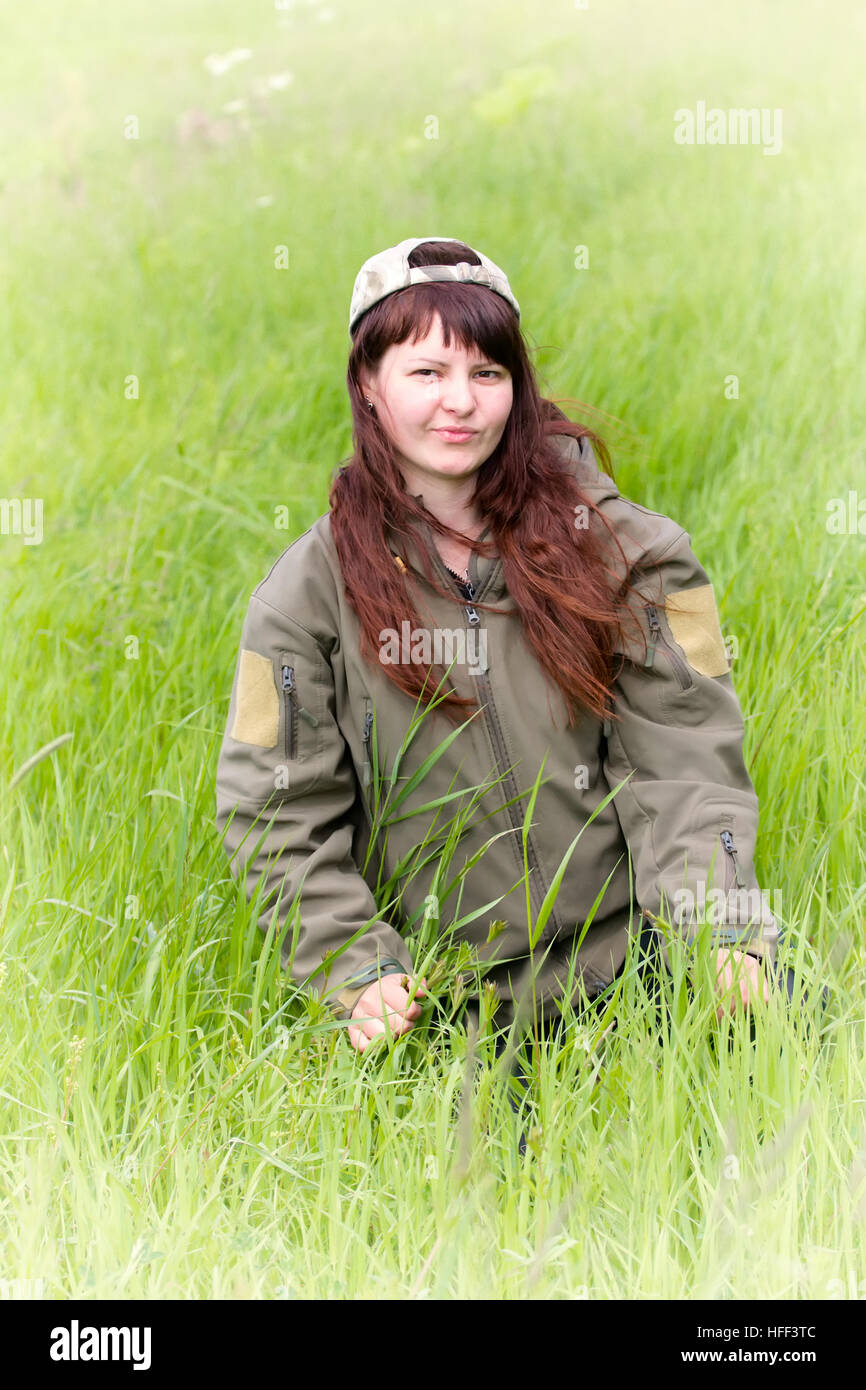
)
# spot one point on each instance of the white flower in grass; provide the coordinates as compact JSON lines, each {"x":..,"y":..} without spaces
{"x":232,"y":107}
{"x":129,"y":1167}
{"x":279,"y":80}
{"x":265,"y":200}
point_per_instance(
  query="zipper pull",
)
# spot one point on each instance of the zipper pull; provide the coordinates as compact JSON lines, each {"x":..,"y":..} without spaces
{"x":288,"y":673}
{"x":730,"y":848}
{"x":471,"y":613}
{"x":368,"y":729}
{"x":289,"y":685}
{"x":655,"y":629}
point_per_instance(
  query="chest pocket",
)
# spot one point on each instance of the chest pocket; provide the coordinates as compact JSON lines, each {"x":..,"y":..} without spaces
{"x":301,"y":707}
{"x":661,"y":647}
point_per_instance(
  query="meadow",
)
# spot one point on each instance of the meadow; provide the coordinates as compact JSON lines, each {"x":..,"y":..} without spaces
{"x":187,"y":194}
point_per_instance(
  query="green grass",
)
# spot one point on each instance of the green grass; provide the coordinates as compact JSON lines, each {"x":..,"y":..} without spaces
{"x":175,"y":1123}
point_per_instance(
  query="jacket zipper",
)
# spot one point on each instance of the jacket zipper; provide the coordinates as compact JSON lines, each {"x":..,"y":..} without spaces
{"x":683,"y":675}
{"x":289,"y":703}
{"x":293,"y":710}
{"x":501,"y":754}
{"x":733,"y":862}
{"x":368,"y":739}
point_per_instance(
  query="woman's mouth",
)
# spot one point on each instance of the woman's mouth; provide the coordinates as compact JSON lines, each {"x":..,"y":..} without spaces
{"x":455,"y":436}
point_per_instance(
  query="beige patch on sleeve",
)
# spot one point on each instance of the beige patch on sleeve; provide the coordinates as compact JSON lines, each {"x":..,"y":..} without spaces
{"x":257,"y":717}
{"x":694,"y":622}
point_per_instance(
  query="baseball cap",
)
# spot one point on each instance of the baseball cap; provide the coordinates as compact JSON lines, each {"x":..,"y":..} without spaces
{"x":389,"y":271}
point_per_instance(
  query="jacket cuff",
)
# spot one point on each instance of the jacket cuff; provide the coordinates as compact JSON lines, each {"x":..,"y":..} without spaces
{"x":741,"y":924}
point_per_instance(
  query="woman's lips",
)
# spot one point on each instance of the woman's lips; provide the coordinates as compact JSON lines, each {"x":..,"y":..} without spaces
{"x":456,"y":436}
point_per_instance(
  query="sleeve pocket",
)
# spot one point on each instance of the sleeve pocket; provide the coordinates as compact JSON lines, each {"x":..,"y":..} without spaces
{"x":301,"y":706}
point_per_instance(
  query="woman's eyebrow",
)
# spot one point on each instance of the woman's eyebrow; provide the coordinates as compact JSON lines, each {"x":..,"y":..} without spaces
{"x":482,"y":361}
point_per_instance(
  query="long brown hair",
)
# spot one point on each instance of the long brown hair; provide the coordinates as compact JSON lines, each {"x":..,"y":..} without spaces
{"x":554,"y":571}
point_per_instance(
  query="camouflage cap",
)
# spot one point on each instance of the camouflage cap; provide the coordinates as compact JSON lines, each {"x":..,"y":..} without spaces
{"x":389,"y":271}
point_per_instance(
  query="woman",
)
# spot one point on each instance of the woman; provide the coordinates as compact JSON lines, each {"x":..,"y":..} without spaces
{"x":481,"y":598}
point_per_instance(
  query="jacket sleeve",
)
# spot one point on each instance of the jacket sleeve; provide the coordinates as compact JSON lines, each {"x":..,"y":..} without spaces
{"x":285,"y":789}
{"x":688,"y":811}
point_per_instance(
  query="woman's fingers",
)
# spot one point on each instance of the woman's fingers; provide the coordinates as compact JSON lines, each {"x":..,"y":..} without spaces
{"x":366,"y":1033}
{"x":745,"y":971}
{"x":397,"y":990}
{"x":392,"y":1001}
{"x":752,"y":981}
{"x":383,"y":1004}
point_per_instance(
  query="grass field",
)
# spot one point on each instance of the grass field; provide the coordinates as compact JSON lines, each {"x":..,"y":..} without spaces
{"x":174,"y":1123}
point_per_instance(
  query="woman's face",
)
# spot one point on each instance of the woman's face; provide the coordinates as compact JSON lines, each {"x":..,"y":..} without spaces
{"x":423,"y":388}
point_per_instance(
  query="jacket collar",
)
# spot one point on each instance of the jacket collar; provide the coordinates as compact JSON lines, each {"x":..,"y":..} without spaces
{"x":486,"y":572}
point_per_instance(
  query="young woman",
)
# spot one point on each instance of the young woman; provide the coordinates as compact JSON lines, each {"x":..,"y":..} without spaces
{"x":479,"y":576}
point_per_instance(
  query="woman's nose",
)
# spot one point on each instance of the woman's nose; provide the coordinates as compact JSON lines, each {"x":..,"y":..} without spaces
{"x":457,"y":395}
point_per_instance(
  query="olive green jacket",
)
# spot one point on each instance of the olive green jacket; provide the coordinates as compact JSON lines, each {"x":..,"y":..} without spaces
{"x":307,"y":763}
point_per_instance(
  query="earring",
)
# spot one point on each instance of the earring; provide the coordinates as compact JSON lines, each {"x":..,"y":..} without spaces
{"x":369,"y":402}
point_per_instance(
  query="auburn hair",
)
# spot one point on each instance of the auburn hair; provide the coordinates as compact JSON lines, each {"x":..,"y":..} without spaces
{"x":570,"y":604}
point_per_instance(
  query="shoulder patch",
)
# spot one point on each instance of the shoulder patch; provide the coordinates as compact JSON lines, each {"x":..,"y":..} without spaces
{"x":257,"y":717}
{"x":694,"y":622}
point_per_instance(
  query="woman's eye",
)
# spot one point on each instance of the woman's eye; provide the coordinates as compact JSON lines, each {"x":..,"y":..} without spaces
{"x":486,"y":371}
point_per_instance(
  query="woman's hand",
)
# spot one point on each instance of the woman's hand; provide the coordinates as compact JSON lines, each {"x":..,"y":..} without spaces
{"x":746,"y":969}
{"x":385,"y":1003}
